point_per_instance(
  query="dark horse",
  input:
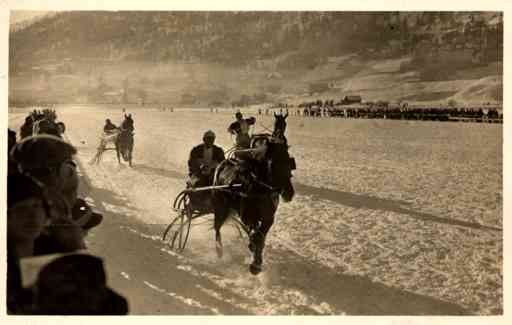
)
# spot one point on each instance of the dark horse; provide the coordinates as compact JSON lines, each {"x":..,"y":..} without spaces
{"x":280,"y":127}
{"x":263,"y":180}
{"x":124,"y":141}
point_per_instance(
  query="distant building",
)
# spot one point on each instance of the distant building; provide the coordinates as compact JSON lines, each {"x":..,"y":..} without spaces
{"x":352,"y":99}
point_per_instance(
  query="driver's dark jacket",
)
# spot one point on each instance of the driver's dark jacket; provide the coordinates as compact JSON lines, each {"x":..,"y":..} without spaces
{"x":236,"y":128}
{"x":196,"y":155}
{"x":109,"y":127}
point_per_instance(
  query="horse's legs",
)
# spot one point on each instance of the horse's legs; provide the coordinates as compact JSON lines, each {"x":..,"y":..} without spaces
{"x":130,"y":155}
{"x":258,"y":242}
{"x":221,"y":214}
{"x":219,"y":221}
{"x":118,"y":149}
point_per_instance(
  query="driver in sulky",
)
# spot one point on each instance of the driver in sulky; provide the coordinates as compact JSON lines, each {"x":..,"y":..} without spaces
{"x":109,"y":128}
{"x":203,"y":160}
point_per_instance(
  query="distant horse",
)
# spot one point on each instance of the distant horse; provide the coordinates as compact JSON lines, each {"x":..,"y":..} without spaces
{"x":263,"y":181}
{"x":277,"y":133}
{"x":124,"y":140}
{"x":280,"y":127}
{"x":121,"y":138}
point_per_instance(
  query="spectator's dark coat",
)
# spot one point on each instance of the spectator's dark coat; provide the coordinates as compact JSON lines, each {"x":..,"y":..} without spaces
{"x":26,"y":130}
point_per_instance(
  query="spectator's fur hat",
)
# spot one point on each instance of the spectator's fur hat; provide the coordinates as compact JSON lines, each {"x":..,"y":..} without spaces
{"x":40,"y":151}
{"x":48,"y":159}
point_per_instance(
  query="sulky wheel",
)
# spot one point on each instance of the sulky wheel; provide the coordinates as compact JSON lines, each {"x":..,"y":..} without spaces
{"x":178,"y":231}
{"x":167,"y":233}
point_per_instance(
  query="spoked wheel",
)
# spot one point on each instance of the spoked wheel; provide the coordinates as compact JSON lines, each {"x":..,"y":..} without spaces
{"x":97,"y":158}
{"x":178,"y":231}
{"x":99,"y":154}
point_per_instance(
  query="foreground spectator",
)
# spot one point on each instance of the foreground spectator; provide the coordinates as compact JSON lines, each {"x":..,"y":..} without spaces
{"x":49,"y":159}
{"x":45,"y":216}
{"x":76,"y":285}
{"x":11,"y":138}
{"x":27,"y":214}
{"x":26,"y":218}
{"x":27,"y":127}
{"x":62,"y":234}
{"x":11,"y":164}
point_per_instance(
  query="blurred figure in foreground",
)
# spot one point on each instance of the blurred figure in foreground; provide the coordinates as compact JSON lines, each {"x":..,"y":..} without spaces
{"x":27,"y":216}
{"x":48,"y":159}
{"x":76,"y":285}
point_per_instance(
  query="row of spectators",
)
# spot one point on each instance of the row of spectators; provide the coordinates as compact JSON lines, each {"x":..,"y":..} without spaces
{"x":45,"y":216}
{"x":382,"y":110}
{"x":430,"y":114}
{"x":479,"y":114}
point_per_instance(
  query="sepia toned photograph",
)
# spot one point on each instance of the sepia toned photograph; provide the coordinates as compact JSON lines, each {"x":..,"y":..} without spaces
{"x":255,"y":163}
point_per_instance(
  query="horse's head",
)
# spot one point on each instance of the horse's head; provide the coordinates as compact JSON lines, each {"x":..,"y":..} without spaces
{"x":128,"y":122}
{"x":281,"y":166}
{"x":279,"y":125}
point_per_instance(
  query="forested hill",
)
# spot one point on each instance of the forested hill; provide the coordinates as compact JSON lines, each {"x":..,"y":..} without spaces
{"x":306,"y":38}
{"x":198,"y":58}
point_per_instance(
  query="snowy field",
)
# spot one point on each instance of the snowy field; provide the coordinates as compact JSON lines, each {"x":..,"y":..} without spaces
{"x":415,"y":206}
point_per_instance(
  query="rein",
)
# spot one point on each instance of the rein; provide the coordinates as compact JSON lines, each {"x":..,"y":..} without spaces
{"x":231,"y":152}
{"x":266,"y":128}
{"x":265,"y":185}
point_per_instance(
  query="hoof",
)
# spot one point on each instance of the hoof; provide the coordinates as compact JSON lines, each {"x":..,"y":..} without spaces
{"x":219,"y":249}
{"x":255,"y":268}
